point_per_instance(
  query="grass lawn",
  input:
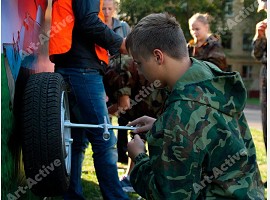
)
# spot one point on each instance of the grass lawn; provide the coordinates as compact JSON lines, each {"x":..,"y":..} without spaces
{"x":90,"y":183}
{"x":253,"y":101}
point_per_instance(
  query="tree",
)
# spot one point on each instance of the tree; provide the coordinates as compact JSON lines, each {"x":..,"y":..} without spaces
{"x":134,"y":10}
{"x":255,"y":15}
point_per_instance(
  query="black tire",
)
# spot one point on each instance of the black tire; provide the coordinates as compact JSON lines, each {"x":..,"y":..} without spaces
{"x":43,"y":143}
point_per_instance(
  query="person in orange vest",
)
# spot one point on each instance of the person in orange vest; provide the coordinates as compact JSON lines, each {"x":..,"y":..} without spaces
{"x":78,"y":39}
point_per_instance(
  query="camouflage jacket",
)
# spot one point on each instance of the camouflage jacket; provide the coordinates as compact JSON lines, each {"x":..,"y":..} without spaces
{"x":260,"y":49}
{"x":201,"y":146}
{"x":211,"y":51}
{"x":119,"y":77}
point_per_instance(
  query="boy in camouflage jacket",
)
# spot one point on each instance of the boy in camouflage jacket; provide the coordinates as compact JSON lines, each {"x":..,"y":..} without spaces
{"x":201,"y":146}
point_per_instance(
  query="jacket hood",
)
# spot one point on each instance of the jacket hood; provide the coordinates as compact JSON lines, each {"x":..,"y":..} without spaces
{"x":206,"y":84}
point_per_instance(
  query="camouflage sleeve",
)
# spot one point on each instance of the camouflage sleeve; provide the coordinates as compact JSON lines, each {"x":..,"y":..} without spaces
{"x":130,"y":71}
{"x":173,"y":166}
{"x":113,"y":81}
{"x":217,"y":56}
{"x":118,"y":76}
{"x":140,"y":176}
{"x":259,"y":47}
{"x":160,"y":179}
{"x":124,"y":91}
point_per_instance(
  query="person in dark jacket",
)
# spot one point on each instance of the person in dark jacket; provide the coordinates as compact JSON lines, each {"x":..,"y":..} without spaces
{"x":260,"y":53}
{"x":77,"y":48}
{"x":204,"y":45}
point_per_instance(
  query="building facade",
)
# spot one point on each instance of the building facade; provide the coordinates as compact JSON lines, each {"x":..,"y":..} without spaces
{"x":237,"y":39}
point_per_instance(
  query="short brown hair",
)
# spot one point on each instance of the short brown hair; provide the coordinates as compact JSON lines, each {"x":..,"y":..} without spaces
{"x":157,"y":31}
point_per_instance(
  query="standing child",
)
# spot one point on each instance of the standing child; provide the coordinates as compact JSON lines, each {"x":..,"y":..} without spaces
{"x":205,"y":45}
{"x":109,"y":9}
{"x":201,"y":146}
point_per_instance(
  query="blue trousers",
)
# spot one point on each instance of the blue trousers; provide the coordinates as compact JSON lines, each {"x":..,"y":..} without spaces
{"x":88,"y":106}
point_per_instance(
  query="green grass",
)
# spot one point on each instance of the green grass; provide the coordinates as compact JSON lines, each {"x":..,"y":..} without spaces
{"x":253,"y":101}
{"x":260,"y":151}
{"x":261,"y":154}
{"x":89,"y":180}
{"x":90,"y":183}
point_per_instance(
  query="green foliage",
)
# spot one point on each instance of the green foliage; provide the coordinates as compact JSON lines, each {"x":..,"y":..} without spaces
{"x":255,"y":15}
{"x":253,"y":101}
{"x":134,"y":10}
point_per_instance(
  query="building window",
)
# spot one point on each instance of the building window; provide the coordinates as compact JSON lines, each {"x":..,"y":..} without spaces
{"x":227,"y":40}
{"x":229,"y":7}
{"x":246,"y":71}
{"x":247,"y":41}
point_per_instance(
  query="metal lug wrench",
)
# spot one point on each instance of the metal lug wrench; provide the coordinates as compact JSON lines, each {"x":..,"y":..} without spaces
{"x":106,"y":126}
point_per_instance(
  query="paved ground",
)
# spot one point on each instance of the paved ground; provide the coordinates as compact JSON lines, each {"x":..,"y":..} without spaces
{"x":253,"y":115}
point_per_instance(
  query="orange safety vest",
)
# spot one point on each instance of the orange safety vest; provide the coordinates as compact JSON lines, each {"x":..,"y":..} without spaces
{"x":102,"y":53}
{"x":62,"y":24}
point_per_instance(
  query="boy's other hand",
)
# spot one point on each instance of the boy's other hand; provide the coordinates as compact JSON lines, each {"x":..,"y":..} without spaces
{"x":135,"y":147}
{"x":144,"y":124}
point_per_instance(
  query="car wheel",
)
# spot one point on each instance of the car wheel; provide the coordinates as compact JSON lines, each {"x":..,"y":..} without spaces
{"x":46,"y":142}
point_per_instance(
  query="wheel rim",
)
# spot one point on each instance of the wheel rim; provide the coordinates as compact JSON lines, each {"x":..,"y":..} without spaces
{"x":66,"y":132}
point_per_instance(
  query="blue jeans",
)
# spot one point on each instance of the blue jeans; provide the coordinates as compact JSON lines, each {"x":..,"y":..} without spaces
{"x":88,"y":106}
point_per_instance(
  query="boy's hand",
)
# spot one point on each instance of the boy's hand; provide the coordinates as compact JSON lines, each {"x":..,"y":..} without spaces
{"x":144,"y":124}
{"x":135,"y":147}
